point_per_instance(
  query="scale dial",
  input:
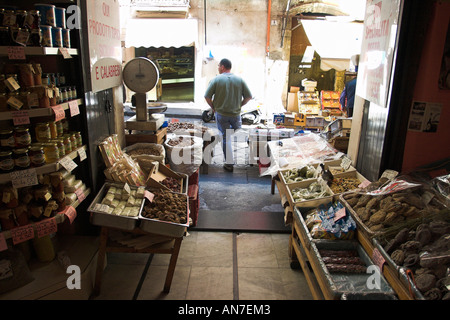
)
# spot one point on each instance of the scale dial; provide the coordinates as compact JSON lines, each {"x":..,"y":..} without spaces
{"x":140,"y":75}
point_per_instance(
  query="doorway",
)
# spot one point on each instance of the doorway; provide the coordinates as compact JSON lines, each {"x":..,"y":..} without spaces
{"x":176,"y":70}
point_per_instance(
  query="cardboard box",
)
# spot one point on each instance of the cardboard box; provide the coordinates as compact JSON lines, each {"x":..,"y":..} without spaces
{"x":292,"y":104}
{"x":278,"y":118}
{"x":156,"y":176}
{"x":294,"y":89}
{"x":289,"y":119}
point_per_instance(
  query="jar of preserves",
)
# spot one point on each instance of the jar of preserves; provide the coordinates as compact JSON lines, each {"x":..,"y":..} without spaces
{"x":24,"y":96}
{"x":37,"y":157}
{"x":67,"y":144}
{"x":22,"y":137}
{"x":51,"y":152}
{"x":7,"y":139}
{"x":53,"y":130}
{"x":59,"y":128}
{"x":42,"y":131}
{"x":60,"y":144}
{"x":6,"y":161}
{"x":65,"y":125}
{"x":79,"y":139}
{"x":37,"y":74}
{"x":21,"y":158}
{"x":26,"y":71}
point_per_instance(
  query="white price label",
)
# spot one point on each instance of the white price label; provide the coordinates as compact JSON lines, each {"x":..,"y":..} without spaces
{"x":82,"y":154}
{"x":68,"y":163}
{"x":65,"y":53}
{"x":389,"y":174}
{"x":346,"y":163}
{"x":24,"y":178}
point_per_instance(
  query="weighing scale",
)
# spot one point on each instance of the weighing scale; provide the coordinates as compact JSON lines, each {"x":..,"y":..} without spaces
{"x":140,"y":75}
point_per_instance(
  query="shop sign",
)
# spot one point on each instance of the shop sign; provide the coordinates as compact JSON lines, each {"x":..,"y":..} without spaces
{"x":105,"y":53}
{"x":377,"y":50}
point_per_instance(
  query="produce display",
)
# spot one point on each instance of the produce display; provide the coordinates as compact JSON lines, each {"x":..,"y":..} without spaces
{"x":144,"y":151}
{"x":425,"y":250}
{"x":315,"y":190}
{"x":325,"y":222}
{"x":299,"y":174}
{"x":343,"y":261}
{"x":393,"y":204}
{"x":171,"y":183}
{"x":180,"y":141}
{"x":173,"y":127}
{"x":123,"y":201}
{"x":166,"y":206}
{"x":340,"y":185}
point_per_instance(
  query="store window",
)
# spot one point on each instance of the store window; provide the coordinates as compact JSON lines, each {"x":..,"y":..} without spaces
{"x":176,"y":71}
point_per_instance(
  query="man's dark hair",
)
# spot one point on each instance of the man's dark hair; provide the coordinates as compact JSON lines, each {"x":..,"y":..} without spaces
{"x":226,"y":63}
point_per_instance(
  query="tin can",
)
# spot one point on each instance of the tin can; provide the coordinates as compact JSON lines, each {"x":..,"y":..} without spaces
{"x":47,"y":16}
{"x":57,"y":37}
{"x":60,"y":17}
{"x":66,"y":38}
{"x":47,"y":40}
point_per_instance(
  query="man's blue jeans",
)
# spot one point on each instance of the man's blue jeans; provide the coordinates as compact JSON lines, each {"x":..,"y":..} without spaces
{"x":227,"y":126}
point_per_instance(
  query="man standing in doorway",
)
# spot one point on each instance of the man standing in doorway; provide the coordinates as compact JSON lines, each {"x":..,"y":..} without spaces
{"x":226,"y":94}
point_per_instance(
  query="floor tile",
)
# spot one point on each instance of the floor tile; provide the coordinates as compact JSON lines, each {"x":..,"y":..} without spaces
{"x":210,"y":283}
{"x":153,"y":284}
{"x":260,"y":284}
{"x":256,"y":250}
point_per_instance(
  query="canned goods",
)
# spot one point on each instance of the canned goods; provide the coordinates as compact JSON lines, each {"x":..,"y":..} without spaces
{"x":47,"y":16}
{"x":60,"y":17}
{"x":57,"y":37}
{"x":66,"y":38}
{"x":6,"y":161}
{"x":47,"y":40}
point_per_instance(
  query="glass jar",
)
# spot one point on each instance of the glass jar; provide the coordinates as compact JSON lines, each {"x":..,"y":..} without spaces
{"x":6,"y":161}
{"x":67,"y":144}
{"x":59,"y":128}
{"x":32,"y":20}
{"x":26,"y":74}
{"x":24,"y":96}
{"x":7,"y":139}
{"x":21,"y":159}
{"x":74,"y":92}
{"x":37,"y":157}
{"x":65,"y":125}
{"x":60,"y":144}
{"x":42,"y":131}
{"x":51,"y":152}
{"x":69,"y":93}
{"x":53,"y":130}
{"x":63,"y":93}
{"x":37,"y":75}
{"x":45,"y":79}
{"x":79,"y":139}
{"x":73,"y":141}
{"x":22,"y":137}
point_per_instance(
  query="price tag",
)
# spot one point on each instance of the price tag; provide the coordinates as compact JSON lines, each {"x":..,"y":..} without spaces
{"x":22,"y":234}
{"x":23,"y":178}
{"x":59,"y":112}
{"x":3,"y":245}
{"x":65,"y":53}
{"x":68,"y":163}
{"x":378,"y":259}
{"x":389,"y":174}
{"x":20,"y":117}
{"x":16,"y":53}
{"x":82,"y":154}
{"x":339,"y":214}
{"x":45,"y":227}
{"x":364,"y":184}
{"x":149,"y":195}
{"x":70,"y":213}
{"x":12,"y":84}
{"x":174,"y":120}
{"x":80,"y":194}
{"x":74,"y":109}
{"x":346,"y":163}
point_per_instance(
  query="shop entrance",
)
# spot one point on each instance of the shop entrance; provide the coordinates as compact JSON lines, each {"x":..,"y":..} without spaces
{"x":176,"y":71}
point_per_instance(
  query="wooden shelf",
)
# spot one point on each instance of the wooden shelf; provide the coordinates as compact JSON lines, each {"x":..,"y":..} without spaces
{"x":40,"y":51}
{"x":51,"y":167}
{"x":37,"y":112}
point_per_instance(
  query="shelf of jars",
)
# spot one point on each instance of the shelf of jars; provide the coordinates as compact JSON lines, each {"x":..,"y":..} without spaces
{"x":37,"y":51}
{"x":64,"y":162}
{"x":59,"y":217}
{"x":41,"y":112}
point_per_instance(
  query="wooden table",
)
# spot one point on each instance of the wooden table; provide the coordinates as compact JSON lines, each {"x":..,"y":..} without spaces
{"x":170,"y":246}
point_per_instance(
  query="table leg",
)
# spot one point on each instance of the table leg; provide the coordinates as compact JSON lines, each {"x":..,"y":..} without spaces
{"x":172,"y":264}
{"x":100,"y":260}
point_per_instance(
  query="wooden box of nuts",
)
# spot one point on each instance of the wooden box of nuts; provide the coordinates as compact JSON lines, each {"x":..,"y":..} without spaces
{"x":167,"y":214}
{"x":151,"y":150}
{"x":167,"y":179}
{"x":347,"y":181}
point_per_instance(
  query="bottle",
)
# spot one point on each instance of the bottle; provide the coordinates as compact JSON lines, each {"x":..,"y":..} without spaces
{"x":60,"y":144}
{"x":59,"y":128}
{"x":67,"y":144}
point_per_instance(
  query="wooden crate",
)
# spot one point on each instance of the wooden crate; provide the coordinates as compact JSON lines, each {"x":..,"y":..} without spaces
{"x":159,"y":137}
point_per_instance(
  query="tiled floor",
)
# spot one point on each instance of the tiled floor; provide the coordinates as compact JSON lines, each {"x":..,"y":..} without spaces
{"x":211,"y":266}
